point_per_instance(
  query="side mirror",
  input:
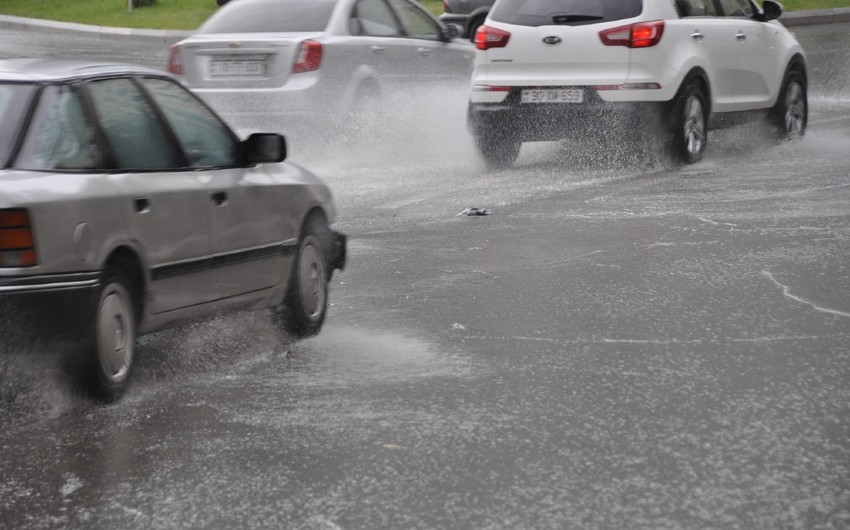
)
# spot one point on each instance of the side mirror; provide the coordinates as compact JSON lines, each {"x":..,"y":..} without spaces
{"x":451,"y":32}
{"x":264,"y":147}
{"x":771,"y":10}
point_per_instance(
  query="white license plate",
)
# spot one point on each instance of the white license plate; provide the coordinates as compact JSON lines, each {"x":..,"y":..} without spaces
{"x":231,"y":68}
{"x":553,"y":95}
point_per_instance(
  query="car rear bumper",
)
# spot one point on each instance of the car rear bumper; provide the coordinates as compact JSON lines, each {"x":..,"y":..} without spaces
{"x":46,"y":307}
{"x":553,"y":121}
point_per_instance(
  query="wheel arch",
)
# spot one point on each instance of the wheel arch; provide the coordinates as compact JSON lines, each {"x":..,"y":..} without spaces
{"x":129,"y":263}
{"x":798,"y":63}
{"x":700,"y":76}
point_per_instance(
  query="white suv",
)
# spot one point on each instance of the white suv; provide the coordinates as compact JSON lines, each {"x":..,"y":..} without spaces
{"x":551,"y":69}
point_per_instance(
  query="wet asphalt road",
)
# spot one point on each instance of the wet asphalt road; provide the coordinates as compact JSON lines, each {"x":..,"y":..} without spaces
{"x":621,"y":344}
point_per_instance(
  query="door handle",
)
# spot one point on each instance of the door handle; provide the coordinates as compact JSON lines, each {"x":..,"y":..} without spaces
{"x":697,"y":36}
{"x":425,"y":52}
{"x":740,"y":36}
{"x":219,"y":198}
{"x":142,"y":205}
{"x":379,"y":49}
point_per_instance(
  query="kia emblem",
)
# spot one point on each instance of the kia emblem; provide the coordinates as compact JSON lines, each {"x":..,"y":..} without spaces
{"x":552,"y":39}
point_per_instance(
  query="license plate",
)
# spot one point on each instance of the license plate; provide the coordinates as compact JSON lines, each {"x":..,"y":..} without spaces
{"x":232,"y":68}
{"x":553,"y":95}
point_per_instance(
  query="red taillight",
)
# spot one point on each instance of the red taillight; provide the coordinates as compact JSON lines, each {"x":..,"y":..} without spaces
{"x":308,"y":58}
{"x":174,"y":64}
{"x":446,"y":8}
{"x":640,"y":35}
{"x":17,"y":244}
{"x":487,"y":37}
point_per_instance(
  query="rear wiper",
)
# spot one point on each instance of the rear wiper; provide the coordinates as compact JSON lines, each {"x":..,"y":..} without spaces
{"x":569,"y":19}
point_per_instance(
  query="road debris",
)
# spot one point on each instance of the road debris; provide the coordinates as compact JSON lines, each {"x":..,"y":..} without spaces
{"x":471,"y":212}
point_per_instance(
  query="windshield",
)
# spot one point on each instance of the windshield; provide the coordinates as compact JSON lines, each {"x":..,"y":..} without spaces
{"x":14,"y":100}
{"x":564,"y":12}
{"x":270,"y":16}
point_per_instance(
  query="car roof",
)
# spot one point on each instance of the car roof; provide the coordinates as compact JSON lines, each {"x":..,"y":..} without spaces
{"x":54,"y":69}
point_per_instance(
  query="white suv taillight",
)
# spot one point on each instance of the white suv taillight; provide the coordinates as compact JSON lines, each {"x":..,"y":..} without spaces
{"x":308,"y":58}
{"x":487,"y":37}
{"x":640,"y":35}
{"x":174,"y":64}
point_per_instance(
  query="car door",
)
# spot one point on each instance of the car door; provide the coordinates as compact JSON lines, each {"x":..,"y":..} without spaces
{"x":715,"y":41}
{"x":249,"y":239}
{"x":431,"y":58}
{"x":379,"y":42}
{"x":165,"y":206}
{"x":756,"y":45}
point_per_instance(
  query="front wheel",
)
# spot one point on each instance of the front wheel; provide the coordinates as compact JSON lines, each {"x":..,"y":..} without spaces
{"x":689,"y":124}
{"x":791,"y":112}
{"x":307,"y":294}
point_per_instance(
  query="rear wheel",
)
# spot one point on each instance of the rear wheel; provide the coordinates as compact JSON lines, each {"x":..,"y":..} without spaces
{"x":497,"y":150}
{"x":305,"y":306}
{"x":473,"y":28}
{"x":791,"y":112}
{"x":109,"y":349}
{"x":689,"y":124}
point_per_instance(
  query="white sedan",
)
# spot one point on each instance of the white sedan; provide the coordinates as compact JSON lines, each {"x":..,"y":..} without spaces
{"x":309,"y":60}
{"x":127,"y":206}
{"x":549,"y":69}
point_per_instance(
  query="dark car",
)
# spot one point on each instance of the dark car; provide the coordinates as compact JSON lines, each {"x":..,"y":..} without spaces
{"x":127,"y":206}
{"x":468,"y":14}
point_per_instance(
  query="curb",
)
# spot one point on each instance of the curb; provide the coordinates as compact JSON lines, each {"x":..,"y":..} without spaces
{"x":165,"y":36}
{"x":816,"y":16}
{"x":792,"y":18}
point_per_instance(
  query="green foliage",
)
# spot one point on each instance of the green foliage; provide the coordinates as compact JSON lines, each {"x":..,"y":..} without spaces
{"x":189,"y":14}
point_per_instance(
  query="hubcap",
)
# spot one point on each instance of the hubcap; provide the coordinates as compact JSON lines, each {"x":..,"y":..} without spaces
{"x":115,"y":334}
{"x":694,"y":129}
{"x":312,"y":281}
{"x":795,"y":109}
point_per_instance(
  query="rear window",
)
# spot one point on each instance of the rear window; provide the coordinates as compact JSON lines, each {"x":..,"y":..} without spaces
{"x":270,"y":16}
{"x":14,"y":101}
{"x":564,"y":12}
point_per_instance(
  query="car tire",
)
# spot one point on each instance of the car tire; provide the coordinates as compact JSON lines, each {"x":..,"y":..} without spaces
{"x":497,"y":150}
{"x":689,"y":123}
{"x":109,"y":348}
{"x":473,"y":27}
{"x":306,"y":302}
{"x":791,"y":112}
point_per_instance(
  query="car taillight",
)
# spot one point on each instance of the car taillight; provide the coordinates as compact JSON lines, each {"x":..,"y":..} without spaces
{"x":174,"y":64}
{"x":308,"y":58}
{"x":487,"y":37}
{"x":446,"y":8}
{"x":640,"y":35}
{"x":17,"y":245}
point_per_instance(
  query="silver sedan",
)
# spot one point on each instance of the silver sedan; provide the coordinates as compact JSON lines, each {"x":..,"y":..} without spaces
{"x":309,"y":60}
{"x":127,"y":206}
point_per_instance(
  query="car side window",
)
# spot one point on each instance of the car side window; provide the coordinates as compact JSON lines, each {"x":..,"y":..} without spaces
{"x":736,"y":8}
{"x":206,"y":141}
{"x":697,"y":8}
{"x":138,"y":138}
{"x":416,"y":22}
{"x":60,"y":136}
{"x":375,"y":18}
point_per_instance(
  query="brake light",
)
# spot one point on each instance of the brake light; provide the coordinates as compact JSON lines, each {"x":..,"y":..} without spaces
{"x":487,"y":37}
{"x":17,"y":244}
{"x":308,"y":57}
{"x":446,"y":8}
{"x":174,"y":64}
{"x":640,"y":35}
